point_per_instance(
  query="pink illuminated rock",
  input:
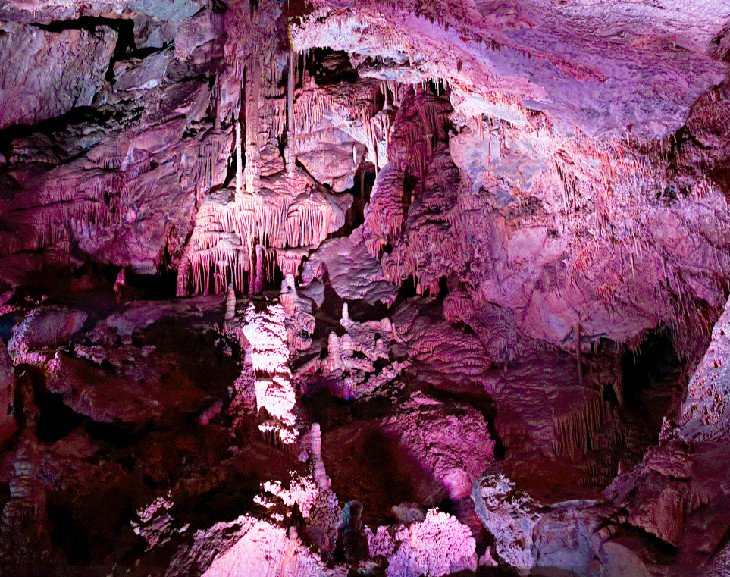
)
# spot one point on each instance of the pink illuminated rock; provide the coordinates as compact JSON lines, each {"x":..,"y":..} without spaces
{"x":680,"y":486}
{"x":73,"y":65}
{"x":226,"y":229}
{"x":496,"y":56}
{"x":510,"y":516}
{"x":249,"y":546}
{"x":445,"y":357}
{"x":352,"y":272}
{"x":43,"y":328}
{"x":328,"y":157}
{"x":438,"y":545}
{"x":452,"y":443}
{"x":266,"y":549}
{"x":371,"y":257}
{"x":154,"y":522}
{"x":706,"y":411}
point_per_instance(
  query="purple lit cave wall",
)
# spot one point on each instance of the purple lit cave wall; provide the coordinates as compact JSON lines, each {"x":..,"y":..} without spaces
{"x":364,"y":288}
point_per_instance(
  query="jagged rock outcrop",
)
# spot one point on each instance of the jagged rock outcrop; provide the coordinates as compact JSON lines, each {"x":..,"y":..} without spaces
{"x":359,"y":364}
{"x":575,"y":537}
{"x":438,"y":545}
{"x":452,"y":443}
{"x":705,"y":411}
{"x":249,"y":546}
{"x":264,"y":548}
{"x":678,"y":487}
{"x":44,"y":328}
{"x":7,"y":395}
{"x":510,"y":516}
{"x":74,"y":63}
{"x":350,"y":270}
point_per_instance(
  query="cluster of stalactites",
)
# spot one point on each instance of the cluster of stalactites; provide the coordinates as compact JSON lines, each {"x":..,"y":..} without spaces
{"x":266,"y":119}
{"x":241,"y":242}
{"x":420,"y":124}
{"x":106,"y":201}
{"x":604,"y":190}
{"x":255,"y":99}
{"x":70,"y":217}
{"x":213,"y":269}
{"x":576,"y":432}
{"x":614,"y":180}
{"x":373,"y":113}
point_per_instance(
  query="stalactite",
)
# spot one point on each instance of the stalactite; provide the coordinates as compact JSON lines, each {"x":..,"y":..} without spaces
{"x":239,"y":161}
{"x":290,"y":155}
{"x":385,"y":214}
{"x":578,"y":353}
{"x":253,"y":88}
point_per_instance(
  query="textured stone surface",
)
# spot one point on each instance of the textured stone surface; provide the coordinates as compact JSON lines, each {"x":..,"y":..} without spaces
{"x":44,"y":328}
{"x":7,"y":395}
{"x":451,"y":442}
{"x":706,"y":410}
{"x":352,"y":272}
{"x":46,"y":74}
{"x":585,"y":64}
{"x":510,"y":516}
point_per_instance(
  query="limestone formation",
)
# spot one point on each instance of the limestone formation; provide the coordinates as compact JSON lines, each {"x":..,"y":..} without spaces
{"x":364,"y":287}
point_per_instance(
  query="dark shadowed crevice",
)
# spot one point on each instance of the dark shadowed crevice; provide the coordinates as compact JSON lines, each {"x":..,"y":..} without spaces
{"x":328,"y":66}
{"x":653,"y":380}
{"x":55,"y":420}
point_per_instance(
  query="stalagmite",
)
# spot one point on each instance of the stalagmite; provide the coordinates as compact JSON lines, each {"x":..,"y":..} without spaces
{"x":265,"y":331}
{"x":333,"y":352}
{"x":230,"y":304}
{"x":288,"y":294}
{"x":120,"y":282}
{"x":320,"y":474}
